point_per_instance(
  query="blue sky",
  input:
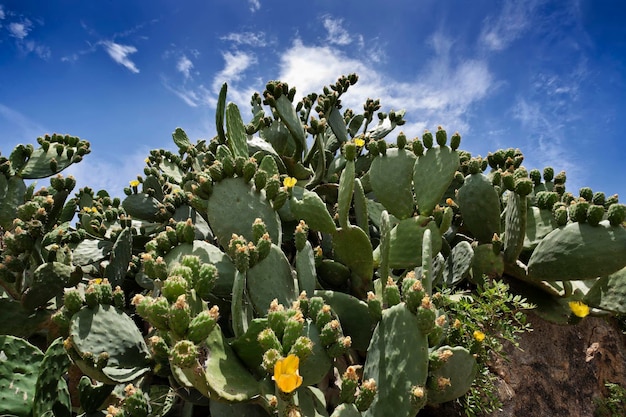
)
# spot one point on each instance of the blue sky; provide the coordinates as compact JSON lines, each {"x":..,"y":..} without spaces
{"x":548,"y":77}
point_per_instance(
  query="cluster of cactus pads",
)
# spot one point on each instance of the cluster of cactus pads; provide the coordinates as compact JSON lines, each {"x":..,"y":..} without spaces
{"x":290,"y":266}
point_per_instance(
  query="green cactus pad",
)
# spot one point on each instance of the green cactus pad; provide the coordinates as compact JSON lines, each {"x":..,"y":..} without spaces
{"x":271,"y":278}
{"x":311,"y":402}
{"x":480,"y":206}
{"x":52,"y":392}
{"x":38,"y":165}
{"x":291,"y":120}
{"x":405,"y":240}
{"x":49,"y":279}
{"x":90,"y":251}
{"x":308,"y":206}
{"x":346,"y":190}
{"x":353,"y":248}
{"x":458,"y":263}
{"x":121,"y":255}
{"x":236,"y":132}
{"x":247,"y":345}
{"x":141,"y":206}
{"x":221,"y":375}
{"x":432,"y":174}
{"x":315,"y":367}
{"x":108,"y":329}
{"x":397,"y":359}
{"x":19,"y":368}
{"x":305,"y":268}
{"x":18,"y":321}
{"x":514,"y":226}
{"x":391,"y":177}
{"x":460,"y":369}
{"x":234,"y":206}
{"x":354,"y":317}
{"x":346,"y":410}
{"x":579,"y":251}
{"x":486,"y":262}
{"x":223,"y":409}
{"x":208,"y":254}
{"x":91,"y":397}
{"x":609,"y":293}
{"x":539,"y":223}
{"x":11,"y":196}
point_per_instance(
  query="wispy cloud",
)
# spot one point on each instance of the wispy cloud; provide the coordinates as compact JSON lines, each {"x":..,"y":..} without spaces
{"x":2,"y":13}
{"x":255,"y":5}
{"x":547,"y":112}
{"x":184,"y":65}
{"x":246,"y":38}
{"x":119,"y":53}
{"x":336,"y":33}
{"x":20,"y":30}
{"x":443,"y":91}
{"x":514,"y":18}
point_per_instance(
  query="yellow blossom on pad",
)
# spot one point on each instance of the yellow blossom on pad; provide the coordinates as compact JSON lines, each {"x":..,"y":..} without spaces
{"x":134,"y":183}
{"x":359,"y":142}
{"x":479,"y":336}
{"x":286,"y":374}
{"x":289,"y":182}
{"x":579,"y":308}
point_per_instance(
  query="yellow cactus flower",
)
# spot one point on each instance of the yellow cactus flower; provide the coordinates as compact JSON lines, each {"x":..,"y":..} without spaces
{"x":134,"y":183}
{"x":579,"y":308}
{"x":479,"y":336}
{"x":286,"y":374}
{"x":359,"y":142}
{"x":289,"y":182}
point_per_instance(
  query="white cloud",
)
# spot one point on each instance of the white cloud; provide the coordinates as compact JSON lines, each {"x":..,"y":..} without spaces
{"x":443,"y":92}
{"x":246,"y":38}
{"x":20,"y":30}
{"x":336,"y":33}
{"x":119,"y":53}
{"x":236,"y":64}
{"x":254,"y":5}
{"x":2,"y":14}
{"x":515,"y":17}
{"x":126,"y":168}
{"x":185,"y":66}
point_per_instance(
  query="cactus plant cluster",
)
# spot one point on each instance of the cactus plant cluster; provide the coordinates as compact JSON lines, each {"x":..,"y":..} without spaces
{"x":291,"y":265}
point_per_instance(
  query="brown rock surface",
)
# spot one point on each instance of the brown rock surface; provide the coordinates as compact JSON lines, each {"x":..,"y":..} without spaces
{"x":559,"y":371}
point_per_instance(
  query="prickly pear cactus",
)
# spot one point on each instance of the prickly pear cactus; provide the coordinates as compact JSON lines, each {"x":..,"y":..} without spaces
{"x":253,"y":272}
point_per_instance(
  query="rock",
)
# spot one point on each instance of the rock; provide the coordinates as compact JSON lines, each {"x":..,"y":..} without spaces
{"x":559,"y":371}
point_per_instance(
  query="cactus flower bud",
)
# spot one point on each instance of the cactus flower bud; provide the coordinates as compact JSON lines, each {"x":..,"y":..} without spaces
{"x":366,"y":396}
{"x":595,"y":214}
{"x":455,"y":141}
{"x":280,"y":199}
{"x":425,"y":318}
{"x":203,"y":324}
{"x":260,"y":179}
{"x":392,"y":293}
{"x":73,"y":301}
{"x":272,"y":187}
{"x":293,"y":330}
{"x":173,"y":287}
{"x":578,"y":211}
{"x":598,"y":198}
{"x":427,"y":139}
{"x":441,"y":136}
{"x":349,"y":384}
{"x":616,"y":214}
{"x":184,"y":354}
{"x":375,"y":306}
{"x":180,"y":316}
{"x":349,"y":149}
